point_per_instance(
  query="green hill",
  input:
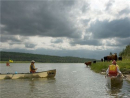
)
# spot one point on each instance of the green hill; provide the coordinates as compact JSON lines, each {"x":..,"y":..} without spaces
{"x":125,"y":53}
{"x":24,"y":57}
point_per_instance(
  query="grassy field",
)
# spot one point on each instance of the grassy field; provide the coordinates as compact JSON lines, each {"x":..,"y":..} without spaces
{"x":102,"y":66}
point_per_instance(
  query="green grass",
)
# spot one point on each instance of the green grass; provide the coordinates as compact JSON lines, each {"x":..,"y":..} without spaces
{"x":100,"y":66}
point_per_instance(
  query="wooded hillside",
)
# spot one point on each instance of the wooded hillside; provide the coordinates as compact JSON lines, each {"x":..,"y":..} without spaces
{"x":125,"y":53}
{"x":16,"y":56}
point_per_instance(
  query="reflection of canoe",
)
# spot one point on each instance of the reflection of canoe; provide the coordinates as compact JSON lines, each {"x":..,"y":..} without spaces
{"x":43,"y":74}
{"x":114,"y":81}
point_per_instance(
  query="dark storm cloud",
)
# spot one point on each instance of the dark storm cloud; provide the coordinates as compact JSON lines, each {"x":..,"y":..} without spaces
{"x":105,"y":29}
{"x":42,"y":18}
{"x":5,"y":38}
{"x":63,"y":18}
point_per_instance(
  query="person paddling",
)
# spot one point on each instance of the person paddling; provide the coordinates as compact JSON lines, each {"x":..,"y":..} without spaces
{"x":113,"y":70}
{"x":32,"y":67}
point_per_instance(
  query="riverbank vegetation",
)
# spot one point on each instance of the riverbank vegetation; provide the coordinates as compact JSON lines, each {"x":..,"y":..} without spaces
{"x":125,"y":53}
{"x":124,"y":64}
{"x":102,"y":66}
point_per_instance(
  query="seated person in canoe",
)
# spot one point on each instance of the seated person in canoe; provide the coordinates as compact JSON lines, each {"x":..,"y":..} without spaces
{"x":113,"y":70}
{"x":32,"y":67}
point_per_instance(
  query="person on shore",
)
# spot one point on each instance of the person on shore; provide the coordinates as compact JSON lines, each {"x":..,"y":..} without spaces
{"x":32,"y":67}
{"x":113,"y":70}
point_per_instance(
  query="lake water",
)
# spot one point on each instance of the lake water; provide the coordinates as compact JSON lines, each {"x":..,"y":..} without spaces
{"x":72,"y":80}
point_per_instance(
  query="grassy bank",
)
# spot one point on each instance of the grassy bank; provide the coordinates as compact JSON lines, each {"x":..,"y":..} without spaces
{"x":102,"y":66}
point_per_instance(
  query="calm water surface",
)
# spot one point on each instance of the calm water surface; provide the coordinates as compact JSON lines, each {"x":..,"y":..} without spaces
{"x":72,"y":80}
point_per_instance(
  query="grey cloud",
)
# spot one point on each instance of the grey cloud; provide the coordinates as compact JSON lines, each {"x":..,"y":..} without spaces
{"x":42,"y":18}
{"x":85,"y":21}
{"x":57,"y":41}
{"x":68,"y":3}
{"x":93,"y":42}
{"x":5,"y":38}
{"x":123,"y":41}
{"x":125,"y":11}
{"x":85,"y":8}
{"x":109,"y":4}
{"x":28,"y":45}
{"x":105,"y":29}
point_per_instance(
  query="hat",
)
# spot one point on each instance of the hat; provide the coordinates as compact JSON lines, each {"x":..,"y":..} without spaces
{"x":114,"y":62}
{"x":32,"y":61}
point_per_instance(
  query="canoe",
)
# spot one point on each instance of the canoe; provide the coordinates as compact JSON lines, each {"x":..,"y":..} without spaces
{"x":114,"y":81}
{"x":43,"y":74}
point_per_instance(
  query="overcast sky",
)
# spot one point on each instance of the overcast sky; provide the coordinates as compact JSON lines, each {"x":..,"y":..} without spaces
{"x":79,"y":28}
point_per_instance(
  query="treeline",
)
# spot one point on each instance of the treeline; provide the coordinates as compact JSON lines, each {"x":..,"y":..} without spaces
{"x":16,"y":56}
{"x":125,"y":53}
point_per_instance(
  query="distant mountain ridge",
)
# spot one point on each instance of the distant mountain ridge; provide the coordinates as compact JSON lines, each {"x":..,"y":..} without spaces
{"x":17,"y":56}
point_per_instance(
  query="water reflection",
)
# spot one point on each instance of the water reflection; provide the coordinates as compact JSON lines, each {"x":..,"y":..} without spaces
{"x":32,"y":85}
{"x":35,"y":82}
{"x":114,"y":90}
{"x":115,"y":86}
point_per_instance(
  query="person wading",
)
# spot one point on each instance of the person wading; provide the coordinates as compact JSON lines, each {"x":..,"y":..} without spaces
{"x":113,"y":70}
{"x":32,"y":67}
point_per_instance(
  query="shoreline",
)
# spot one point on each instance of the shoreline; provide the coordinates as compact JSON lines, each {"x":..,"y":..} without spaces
{"x":127,"y":77}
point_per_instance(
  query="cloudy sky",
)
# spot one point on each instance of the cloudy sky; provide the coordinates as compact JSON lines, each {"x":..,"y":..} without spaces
{"x":79,"y":28}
